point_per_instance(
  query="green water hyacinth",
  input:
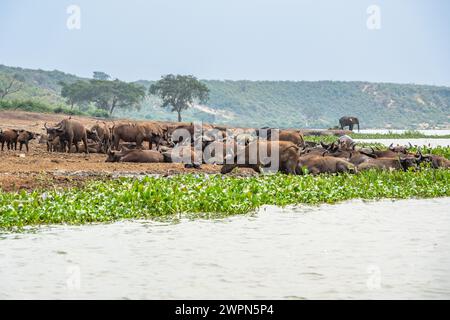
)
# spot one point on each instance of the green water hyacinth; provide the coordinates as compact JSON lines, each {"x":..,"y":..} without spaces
{"x":208,"y":196}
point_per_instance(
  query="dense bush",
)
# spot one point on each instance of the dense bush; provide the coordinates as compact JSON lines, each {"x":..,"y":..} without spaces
{"x":27,"y":105}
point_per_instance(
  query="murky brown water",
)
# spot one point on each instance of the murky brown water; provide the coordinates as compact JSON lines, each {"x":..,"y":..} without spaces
{"x":353,"y":250}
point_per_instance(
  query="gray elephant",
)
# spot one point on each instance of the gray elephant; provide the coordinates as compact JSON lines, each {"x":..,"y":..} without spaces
{"x":348,"y":121}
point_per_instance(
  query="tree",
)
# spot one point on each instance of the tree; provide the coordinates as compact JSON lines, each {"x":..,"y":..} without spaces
{"x":75,"y":93}
{"x":109,"y":95}
{"x":106,"y":95}
{"x":99,"y":75}
{"x":11,"y":85}
{"x":180,"y":92}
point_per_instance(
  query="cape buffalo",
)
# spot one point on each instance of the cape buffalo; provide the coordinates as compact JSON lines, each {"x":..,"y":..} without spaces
{"x":259,"y":154}
{"x":398,"y":163}
{"x":140,"y":156}
{"x":104,"y":134}
{"x":24,"y":137}
{"x":71,"y":131}
{"x":436,"y":161}
{"x":128,"y":132}
{"x":154,"y":133}
{"x":10,"y":137}
{"x":318,"y":164}
{"x":283,"y":135}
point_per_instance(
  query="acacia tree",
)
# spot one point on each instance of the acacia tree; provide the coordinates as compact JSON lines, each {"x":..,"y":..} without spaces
{"x":110,"y":95}
{"x":99,"y":75}
{"x":75,"y":93}
{"x":106,"y":95}
{"x":179,"y":92}
{"x":11,"y":85}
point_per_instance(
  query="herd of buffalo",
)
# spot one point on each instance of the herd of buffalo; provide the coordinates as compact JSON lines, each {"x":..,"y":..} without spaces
{"x":123,"y":142}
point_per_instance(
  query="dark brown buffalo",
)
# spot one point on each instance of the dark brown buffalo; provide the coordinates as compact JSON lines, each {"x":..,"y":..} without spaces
{"x":70,"y":131}
{"x":398,"y":163}
{"x":10,"y":137}
{"x":140,"y":156}
{"x":323,"y":164}
{"x":154,"y":133}
{"x":128,"y":132}
{"x":283,"y":135}
{"x":391,"y":152}
{"x":104,"y":134}
{"x":181,"y":129}
{"x":354,"y":157}
{"x":92,"y":134}
{"x":56,"y":145}
{"x":24,"y":138}
{"x":287,"y":156}
{"x":436,"y":161}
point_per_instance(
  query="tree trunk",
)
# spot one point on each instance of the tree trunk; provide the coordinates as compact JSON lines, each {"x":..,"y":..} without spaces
{"x":179,"y":115}
{"x":113,"y":106}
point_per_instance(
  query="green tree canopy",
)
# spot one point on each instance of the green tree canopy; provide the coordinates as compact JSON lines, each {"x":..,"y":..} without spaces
{"x":179,"y":92}
{"x":99,"y":75}
{"x":9,"y":85}
{"x":75,"y":93}
{"x":106,"y":95}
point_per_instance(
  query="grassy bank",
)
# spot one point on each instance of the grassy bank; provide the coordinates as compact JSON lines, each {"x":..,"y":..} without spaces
{"x":37,"y":106}
{"x":106,"y":201}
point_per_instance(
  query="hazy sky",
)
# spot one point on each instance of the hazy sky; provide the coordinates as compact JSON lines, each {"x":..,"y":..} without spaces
{"x":232,"y":39}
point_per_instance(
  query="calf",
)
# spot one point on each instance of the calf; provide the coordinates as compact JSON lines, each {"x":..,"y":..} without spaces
{"x":24,"y":138}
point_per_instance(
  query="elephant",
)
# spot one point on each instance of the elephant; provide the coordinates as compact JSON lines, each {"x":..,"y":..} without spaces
{"x":348,"y":121}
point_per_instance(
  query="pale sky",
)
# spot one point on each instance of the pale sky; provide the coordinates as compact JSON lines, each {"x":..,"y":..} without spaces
{"x":232,"y":39}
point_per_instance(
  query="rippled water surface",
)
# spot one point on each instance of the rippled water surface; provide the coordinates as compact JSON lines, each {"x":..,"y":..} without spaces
{"x":386,"y":249}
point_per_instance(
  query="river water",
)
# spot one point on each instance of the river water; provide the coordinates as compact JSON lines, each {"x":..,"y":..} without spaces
{"x":353,"y":250}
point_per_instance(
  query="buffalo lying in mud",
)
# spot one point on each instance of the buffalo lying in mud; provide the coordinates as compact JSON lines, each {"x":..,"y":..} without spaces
{"x":135,"y":155}
{"x":70,"y":131}
{"x":183,"y":154}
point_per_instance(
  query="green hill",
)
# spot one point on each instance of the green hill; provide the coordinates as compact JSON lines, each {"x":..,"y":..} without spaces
{"x":280,"y":103}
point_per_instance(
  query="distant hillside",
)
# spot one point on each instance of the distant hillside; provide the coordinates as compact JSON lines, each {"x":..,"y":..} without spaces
{"x":282,"y":103}
{"x":39,"y":85}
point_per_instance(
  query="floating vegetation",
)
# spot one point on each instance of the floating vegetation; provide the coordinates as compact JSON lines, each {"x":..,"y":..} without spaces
{"x":153,"y":197}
